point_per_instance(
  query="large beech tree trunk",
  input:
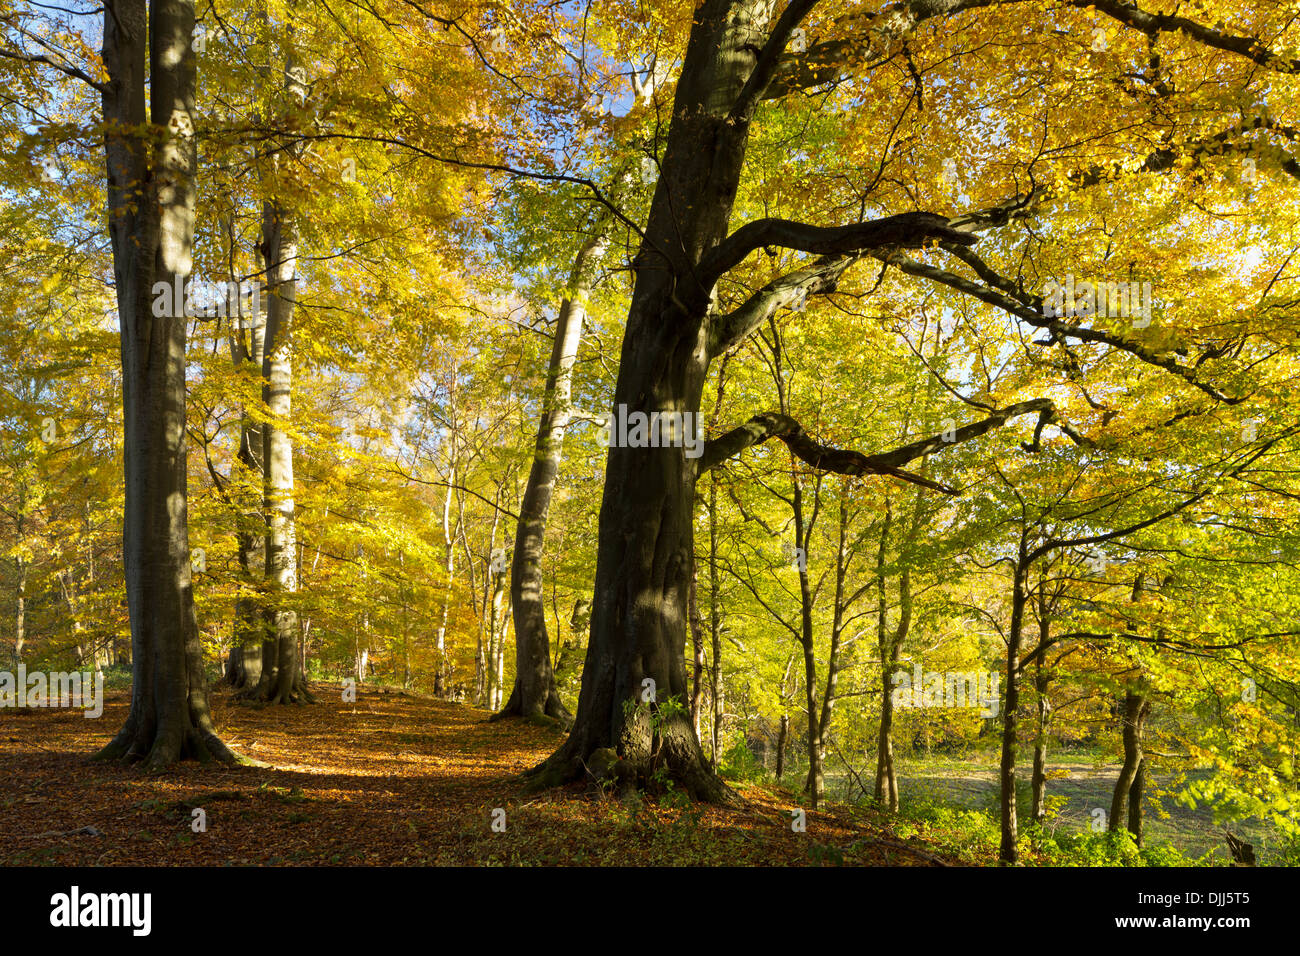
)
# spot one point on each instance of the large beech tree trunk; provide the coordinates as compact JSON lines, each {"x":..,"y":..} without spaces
{"x":643,"y":563}
{"x":151,"y":160}
{"x":533,"y":695}
{"x":635,"y":661}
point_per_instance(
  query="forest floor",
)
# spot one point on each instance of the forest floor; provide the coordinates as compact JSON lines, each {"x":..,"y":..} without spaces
{"x":389,"y":780}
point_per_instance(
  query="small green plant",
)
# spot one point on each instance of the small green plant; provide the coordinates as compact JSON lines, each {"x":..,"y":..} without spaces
{"x":739,"y":763}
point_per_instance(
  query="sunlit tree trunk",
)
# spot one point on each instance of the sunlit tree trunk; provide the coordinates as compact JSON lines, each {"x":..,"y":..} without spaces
{"x":281,"y":680}
{"x":534,"y":693}
{"x":151,"y":160}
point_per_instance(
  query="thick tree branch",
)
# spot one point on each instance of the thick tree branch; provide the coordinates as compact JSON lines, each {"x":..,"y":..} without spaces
{"x":1153,"y":24}
{"x":910,"y":230}
{"x":770,"y":59}
{"x":789,"y":290}
{"x":860,"y":36}
{"x":823,"y":275}
{"x":65,"y":68}
{"x":848,"y":462}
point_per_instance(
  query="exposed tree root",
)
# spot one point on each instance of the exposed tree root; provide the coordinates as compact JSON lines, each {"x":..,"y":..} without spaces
{"x":554,"y":714}
{"x":673,"y":754}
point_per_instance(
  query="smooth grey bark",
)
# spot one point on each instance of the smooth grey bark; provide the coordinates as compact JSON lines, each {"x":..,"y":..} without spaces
{"x":815,"y":783}
{"x":440,"y":688}
{"x":1135,"y":792}
{"x":20,"y":607}
{"x":534,"y":695}
{"x":493,"y":589}
{"x":281,"y":680}
{"x":449,"y":567}
{"x":1132,"y":777}
{"x":151,"y":162}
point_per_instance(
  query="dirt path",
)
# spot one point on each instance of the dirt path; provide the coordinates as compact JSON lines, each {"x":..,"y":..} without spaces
{"x":387,"y":780}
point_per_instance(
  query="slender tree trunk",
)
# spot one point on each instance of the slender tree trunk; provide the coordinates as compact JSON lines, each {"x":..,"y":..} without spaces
{"x":886,"y":788}
{"x":697,"y":643}
{"x":20,"y":611}
{"x":449,"y":566}
{"x":1038,"y":782}
{"x":151,"y":160}
{"x":815,"y":784}
{"x":837,"y":628}
{"x":886,"y":791}
{"x":1135,"y":802}
{"x":499,"y":661}
{"x":1042,"y":682}
{"x":534,"y":694}
{"x":1009,"y":851}
{"x":281,"y":680}
{"x":1136,"y":709}
{"x":245,"y":669}
{"x":781,"y":739}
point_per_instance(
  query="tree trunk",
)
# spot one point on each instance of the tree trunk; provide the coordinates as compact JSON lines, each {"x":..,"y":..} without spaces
{"x":697,"y":643}
{"x":20,"y":611}
{"x":496,"y":600}
{"x":1135,"y":802}
{"x":449,"y":566}
{"x":244,"y":672}
{"x":1008,"y":853}
{"x":636,"y":658}
{"x":151,"y":160}
{"x":1038,"y":783}
{"x":534,"y":693}
{"x":281,"y":679}
{"x":886,"y":788}
{"x":780,"y":745}
{"x":1042,"y":681}
{"x":1136,"y":709}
